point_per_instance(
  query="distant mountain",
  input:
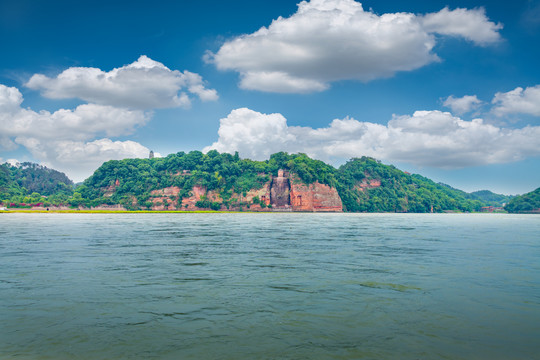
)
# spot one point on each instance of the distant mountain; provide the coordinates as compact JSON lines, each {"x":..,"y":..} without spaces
{"x":490,"y":198}
{"x":526,"y":203}
{"x":30,"y":183}
{"x":487,"y":197}
{"x":39,"y":178}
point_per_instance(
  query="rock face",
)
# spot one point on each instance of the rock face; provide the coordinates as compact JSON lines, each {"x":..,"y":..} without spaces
{"x":286,"y":192}
{"x":189,"y":203}
{"x":315,"y":197}
{"x":263,"y":194}
{"x":289,"y":193}
{"x":168,"y":191}
{"x":162,"y":198}
{"x":280,"y":191}
{"x":109,"y":190}
{"x":368,"y":184}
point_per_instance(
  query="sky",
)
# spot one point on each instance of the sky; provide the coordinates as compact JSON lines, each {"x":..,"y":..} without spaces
{"x":446,"y":89}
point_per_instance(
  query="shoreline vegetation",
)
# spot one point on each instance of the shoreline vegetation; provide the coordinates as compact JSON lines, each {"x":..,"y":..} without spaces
{"x":90,"y":211}
{"x":222,"y":182}
{"x":77,"y":211}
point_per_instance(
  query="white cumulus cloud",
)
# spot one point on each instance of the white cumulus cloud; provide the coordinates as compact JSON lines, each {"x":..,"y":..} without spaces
{"x":66,"y":139}
{"x":518,"y":101}
{"x":472,"y":25}
{"x":331,"y":40}
{"x":253,"y":133}
{"x":426,"y":138}
{"x":84,"y":122}
{"x":144,"y":84}
{"x":463,"y":104}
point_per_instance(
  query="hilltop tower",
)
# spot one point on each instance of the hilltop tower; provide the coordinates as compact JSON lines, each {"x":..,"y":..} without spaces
{"x":151,"y":156}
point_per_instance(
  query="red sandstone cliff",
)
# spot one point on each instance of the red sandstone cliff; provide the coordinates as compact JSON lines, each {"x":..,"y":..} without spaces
{"x":165,"y":199}
{"x":314,"y":197}
{"x":368,"y":184}
{"x":286,"y":192}
{"x":290,"y":193}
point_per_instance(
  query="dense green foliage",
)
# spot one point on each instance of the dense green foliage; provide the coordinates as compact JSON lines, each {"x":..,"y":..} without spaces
{"x":526,"y":203}
{"x":364,"y":184}
{"x":30,"y":183}
{"x":224,"y":173}
{"x":398,"y":191}
{"x":40,"y":179}
{"x":136,"y":178}
{"x":489,"y":198}
{"x":8,"y":187}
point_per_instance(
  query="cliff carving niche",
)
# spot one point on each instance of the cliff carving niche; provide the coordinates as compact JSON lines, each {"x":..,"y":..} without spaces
{"x":280,"y":191}
{"x":289,"y":193}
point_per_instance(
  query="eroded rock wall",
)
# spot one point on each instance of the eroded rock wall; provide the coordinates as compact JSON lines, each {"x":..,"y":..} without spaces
{"x":168,"y":191}
{"x":315,"y":197}
{"x":162,"y":198}
{"x":288,"y":192}
{"x":189,"y":203}
{"x":368,"y":184}
{"x":263,"y":194}
{"x":284,"y":193}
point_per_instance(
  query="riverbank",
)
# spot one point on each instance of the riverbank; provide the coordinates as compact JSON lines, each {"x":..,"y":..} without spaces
{"x":90,"y":211}
{"x":76,"y":211}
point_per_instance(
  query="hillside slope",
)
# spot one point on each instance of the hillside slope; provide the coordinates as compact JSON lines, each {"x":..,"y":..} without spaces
{"x":366,"y":184}
{"x":526,"y":203}
{"x":187,"y":181}
{"x":489,"y":198}
{"x":32,"y":183}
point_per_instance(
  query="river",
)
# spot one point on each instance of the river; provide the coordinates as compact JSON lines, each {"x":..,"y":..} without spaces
{"x":269,"y":286}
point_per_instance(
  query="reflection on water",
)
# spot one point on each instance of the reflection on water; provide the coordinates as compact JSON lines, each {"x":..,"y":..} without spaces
{"x":269,"y":286}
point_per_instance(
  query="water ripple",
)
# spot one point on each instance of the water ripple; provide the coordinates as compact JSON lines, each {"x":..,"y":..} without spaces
{"x":269,"y":286}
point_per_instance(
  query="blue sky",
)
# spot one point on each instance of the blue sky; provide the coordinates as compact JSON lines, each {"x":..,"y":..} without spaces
{"x":447,"y":89}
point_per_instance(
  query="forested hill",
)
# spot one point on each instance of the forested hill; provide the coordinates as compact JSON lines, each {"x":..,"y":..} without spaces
{"x":526,"y":203}
{"x":490,"y":198}
{"x":364,"y":184}
{"x":32,"y":183}
{"x":487,"y":197}
{"x":224,"y":181}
